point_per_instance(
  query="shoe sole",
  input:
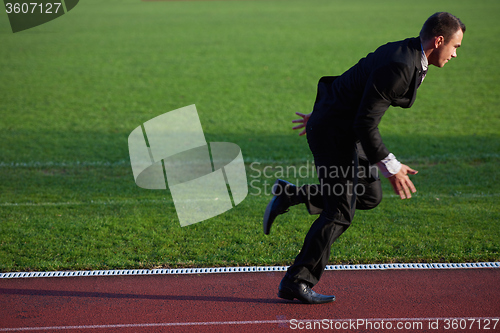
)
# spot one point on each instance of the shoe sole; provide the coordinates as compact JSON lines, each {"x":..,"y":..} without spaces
{"x":273,"y":189}
{"x":268,"y":208}
{"x":266,"y":216}
{"x":291,"y":297}
{"x":285,"y":295}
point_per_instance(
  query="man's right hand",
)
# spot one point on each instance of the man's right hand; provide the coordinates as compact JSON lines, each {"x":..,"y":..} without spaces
{"x":302,"y":122}
{"x":401,"y":183}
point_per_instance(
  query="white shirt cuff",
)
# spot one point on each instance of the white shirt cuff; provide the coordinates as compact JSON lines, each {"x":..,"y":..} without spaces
{"x":389,"y":166}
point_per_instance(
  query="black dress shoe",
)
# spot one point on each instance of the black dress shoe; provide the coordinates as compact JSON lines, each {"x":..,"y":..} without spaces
{"x":279,"y":203}
{"x":301,"y":291}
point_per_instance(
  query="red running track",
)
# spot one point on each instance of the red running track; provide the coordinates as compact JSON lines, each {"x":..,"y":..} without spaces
{"x":420,"y":300}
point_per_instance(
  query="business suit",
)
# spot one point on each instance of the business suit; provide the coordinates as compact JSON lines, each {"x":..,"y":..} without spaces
{"x":343,"y":134}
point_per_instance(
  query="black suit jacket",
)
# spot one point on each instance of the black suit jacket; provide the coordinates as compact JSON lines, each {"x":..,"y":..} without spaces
{"x":353,"y":104}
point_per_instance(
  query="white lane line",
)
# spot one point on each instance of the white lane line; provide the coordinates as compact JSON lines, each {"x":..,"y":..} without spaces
{"x":240,"y":269}
{"x":353,"y":323}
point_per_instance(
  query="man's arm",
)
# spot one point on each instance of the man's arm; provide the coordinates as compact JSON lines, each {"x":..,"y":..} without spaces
{"x":384,"y":85}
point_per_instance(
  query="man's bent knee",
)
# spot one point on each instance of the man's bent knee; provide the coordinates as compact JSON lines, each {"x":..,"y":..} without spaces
{"x":371,"y":197}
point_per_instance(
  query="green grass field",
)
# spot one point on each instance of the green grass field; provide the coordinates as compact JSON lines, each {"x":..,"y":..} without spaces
{"x":72,"y":90}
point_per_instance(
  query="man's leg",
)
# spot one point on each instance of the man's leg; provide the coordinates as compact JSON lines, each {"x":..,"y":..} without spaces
{"x":341,"y":194}
{"x":336,"y":164}
{"x":368,"y":188}
{"x":339,"y":203}
{"x":310,"y":263}
{"x":368,"y":193}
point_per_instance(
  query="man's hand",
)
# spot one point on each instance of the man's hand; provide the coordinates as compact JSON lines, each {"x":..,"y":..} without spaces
{"x":401,"y":183}
{"x":302,"y":122}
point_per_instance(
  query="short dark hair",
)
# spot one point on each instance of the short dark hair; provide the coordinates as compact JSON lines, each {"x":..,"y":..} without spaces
{"x":441,"y":24}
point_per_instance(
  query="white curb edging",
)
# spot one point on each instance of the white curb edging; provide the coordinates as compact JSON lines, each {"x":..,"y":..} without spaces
{"x":251,"y":269}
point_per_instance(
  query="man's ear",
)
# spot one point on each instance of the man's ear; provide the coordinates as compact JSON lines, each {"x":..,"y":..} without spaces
{"x":438,"y":41}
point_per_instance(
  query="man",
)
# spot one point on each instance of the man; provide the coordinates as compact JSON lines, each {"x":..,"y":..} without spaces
{"x":342,"y":133}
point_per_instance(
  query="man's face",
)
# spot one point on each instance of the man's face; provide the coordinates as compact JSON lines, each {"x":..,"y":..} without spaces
{"x":445,"y":50}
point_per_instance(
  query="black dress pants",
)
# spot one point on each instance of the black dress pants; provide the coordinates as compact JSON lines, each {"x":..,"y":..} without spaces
{"x":346,"y":182}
